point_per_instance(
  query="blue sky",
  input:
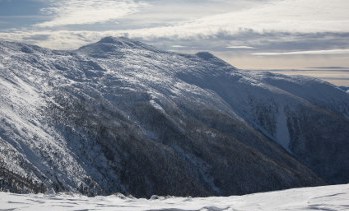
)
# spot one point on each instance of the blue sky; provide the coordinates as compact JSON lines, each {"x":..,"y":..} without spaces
{"x":252,"y":34}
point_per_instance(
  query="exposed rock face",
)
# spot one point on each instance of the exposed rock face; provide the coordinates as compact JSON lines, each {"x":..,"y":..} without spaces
{"x":122,"y":116}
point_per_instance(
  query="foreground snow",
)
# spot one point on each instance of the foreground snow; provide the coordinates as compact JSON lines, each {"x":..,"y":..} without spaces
{"x":318,"y":198}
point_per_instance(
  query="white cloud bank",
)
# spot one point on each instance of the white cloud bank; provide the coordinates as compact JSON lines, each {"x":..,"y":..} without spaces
{"x":294,"y":16}
{"x":302,"y":16}
{"x":74,"y":12}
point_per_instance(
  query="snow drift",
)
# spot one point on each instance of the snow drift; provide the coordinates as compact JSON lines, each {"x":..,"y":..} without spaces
{"x":319,"y":198}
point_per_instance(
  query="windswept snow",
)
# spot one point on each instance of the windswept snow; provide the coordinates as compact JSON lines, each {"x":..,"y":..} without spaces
{"x":330,"y":198}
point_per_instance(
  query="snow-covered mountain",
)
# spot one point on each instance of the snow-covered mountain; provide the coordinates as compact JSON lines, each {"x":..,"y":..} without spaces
{"x":121,"y":116}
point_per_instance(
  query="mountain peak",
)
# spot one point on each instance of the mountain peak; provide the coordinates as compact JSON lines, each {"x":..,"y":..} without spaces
{"x":114,"y":40}
{"x":121,"y":42}
{"x":111,"y":45}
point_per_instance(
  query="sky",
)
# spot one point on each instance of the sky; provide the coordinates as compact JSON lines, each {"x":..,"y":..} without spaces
{"x":300,"y":36}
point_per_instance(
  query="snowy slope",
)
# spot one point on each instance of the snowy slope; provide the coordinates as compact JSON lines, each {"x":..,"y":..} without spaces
{"x":122,"y":116}
{"x":319,"y":198}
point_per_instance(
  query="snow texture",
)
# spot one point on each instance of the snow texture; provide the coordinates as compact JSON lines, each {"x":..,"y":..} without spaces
{"x":334,"y":198}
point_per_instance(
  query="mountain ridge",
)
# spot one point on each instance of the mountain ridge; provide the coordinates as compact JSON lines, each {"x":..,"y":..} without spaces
{"x":119,"y":116}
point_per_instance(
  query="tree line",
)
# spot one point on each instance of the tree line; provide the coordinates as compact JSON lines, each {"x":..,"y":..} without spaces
{"x":13,"y":182}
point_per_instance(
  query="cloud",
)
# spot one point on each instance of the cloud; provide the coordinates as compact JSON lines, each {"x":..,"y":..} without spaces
{"x":178,"y":46}
{"x":279,"y":24}
{"x":317,"y":52}
{"x":293,"y":16}
{"x":269,"y":25}
{"x":78,"y":12}
{"x":240,"y":47}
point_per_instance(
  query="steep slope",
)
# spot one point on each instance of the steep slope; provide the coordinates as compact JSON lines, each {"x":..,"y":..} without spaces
{"x":122,"y":116}
{"x":306,"y":116}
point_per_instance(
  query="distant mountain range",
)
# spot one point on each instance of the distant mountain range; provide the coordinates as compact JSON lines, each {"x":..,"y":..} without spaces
{"x":121,"y":116}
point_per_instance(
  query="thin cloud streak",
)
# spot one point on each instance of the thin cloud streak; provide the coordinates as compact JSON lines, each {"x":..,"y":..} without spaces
{"x":317,"y":52}
{"x":178,"y":46}
{"x":240,"y":47}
